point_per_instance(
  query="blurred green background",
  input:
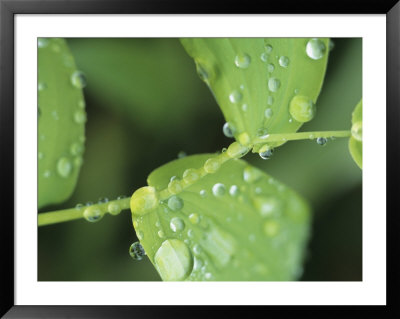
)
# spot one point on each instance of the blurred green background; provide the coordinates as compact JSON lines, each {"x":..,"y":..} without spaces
{"x":145,"y":104}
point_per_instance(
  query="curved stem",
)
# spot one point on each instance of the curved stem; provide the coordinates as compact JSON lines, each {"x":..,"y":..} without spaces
{"x":59,"y":216}
{"x":300,"y":136}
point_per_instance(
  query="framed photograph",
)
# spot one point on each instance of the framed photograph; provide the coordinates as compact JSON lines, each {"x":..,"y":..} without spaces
{"x":178,"y":157}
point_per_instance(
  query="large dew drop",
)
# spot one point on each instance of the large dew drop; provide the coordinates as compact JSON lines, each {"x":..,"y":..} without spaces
{"x":64,"y":167}
{"x":315,"y":49}
{"x":136,"y":251}
{"x":242,"y":61}
{"x":144,"y":200}
{"x":173,"y":260}
{"x":267,"y":206}
{"x":114,"y":209}
{"x":302,"y":108}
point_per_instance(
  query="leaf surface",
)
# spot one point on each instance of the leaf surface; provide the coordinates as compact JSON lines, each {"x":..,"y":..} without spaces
{"x":61,"y":121}
{"x":255,"y":80}
{"x":235,"y":224}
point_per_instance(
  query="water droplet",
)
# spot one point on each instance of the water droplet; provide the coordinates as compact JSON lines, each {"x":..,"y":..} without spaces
{"x":182,"y":154}
{"x":244,"y":107}
{"x":190,"y":233}
{"x":202,"y":72}
{"x":76,"y":149}
{"x":78,"y":206}
{"x":208,"y":276}
{"x":271,"y":67}
{"x":251,"y":174}
{"x":89,"y":203}
{"x":356,"y":130}
{"x":234,"y":191}
{"x":161,"y":234}
{"x":266,"y":154}
{"x":102,"y":200}
{"x":64,"y":167}
{"x":78,"y":79}
{"x":92,"y":214}
{"x":203,"y":193}
{"x":136,"y":251}
{"x":139,"y":235}
{"x":177,"y":224}
{"x":175,"y":203}
{"x":271,"y":228}
{"x":236,"y":150}
{"x":46,"y":174}
{"x":270,"y":100}
{"x":268,"y":48}
{"x":228,"y":130}
{"x":290,"y":120}
{"x":218,"y":189}
{"x":274,"y":84}
{"x":321,"y":140}
{"x":80,"y":116}
{"x":262,"y":132}
{"x":302,"y":108}
{"x":121,"y":197}
{"x":268,"y":113}
{"x":190,"y":176}
{"x":194,"y":218}
{"x":235,"y":97}
{"x":144,"y":200}
{"x":197,"y":250}
{"x":114,"y":208}
{"x":315,"y":49}
{"x":173,"y":260}
{"x":264,"y":57}
{"x":81,"y":104}
{"x":242,"y":61}
{"x":212,"y":165}
{"x":266,"y":206}
{"x":174,"y":186}
{"x":284,"y":61}
{"x":42,"y":86}
{"x":43,"y":42}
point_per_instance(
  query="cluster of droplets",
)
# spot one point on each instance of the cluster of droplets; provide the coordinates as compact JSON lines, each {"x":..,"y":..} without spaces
{"x":94,"y":212}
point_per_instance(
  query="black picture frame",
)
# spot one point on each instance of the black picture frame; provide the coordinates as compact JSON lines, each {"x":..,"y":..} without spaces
{"x":8,"y":10}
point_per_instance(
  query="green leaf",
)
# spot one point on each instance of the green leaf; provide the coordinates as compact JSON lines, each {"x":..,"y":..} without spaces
{"x":355,"y":141}
{"x":61,"y":121}
{"x":235,"y":224}
{"x":262,"y":85}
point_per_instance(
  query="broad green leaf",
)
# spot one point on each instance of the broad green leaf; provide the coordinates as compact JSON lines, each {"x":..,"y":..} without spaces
{"x":61,"y":121}
{"x":262,"y":86}
{"x":232,"y":225}
{"x":355,"y":141}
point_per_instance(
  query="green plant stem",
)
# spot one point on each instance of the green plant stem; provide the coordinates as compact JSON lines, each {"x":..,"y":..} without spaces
{"x":77,"y":213}
{"x":65,"y":215}
{"x":300,"y":136}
